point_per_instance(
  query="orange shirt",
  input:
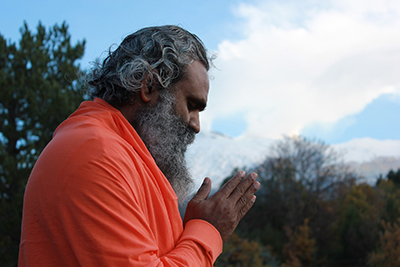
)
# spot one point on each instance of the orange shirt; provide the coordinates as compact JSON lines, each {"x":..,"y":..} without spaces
{"x":97,"y":198}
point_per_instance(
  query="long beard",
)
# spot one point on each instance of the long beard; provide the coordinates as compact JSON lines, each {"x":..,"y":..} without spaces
{"x":167,"y":136}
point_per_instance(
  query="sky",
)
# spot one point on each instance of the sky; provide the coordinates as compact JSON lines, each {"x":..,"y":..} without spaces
{"x":323,"y":69}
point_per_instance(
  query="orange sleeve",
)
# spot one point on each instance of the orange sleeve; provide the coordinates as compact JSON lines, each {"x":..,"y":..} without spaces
{"x":108,"y":228}
{"x":200,"y":235}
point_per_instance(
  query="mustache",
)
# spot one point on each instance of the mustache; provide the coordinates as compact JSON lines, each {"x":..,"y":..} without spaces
{"x":187,"y":135}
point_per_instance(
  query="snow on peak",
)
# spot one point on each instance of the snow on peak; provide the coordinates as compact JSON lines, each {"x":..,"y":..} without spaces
{"x":216,"y":155}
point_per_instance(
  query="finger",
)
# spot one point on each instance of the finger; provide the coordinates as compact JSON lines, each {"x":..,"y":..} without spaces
{"x":230,"y":186}
{"x":247,"y":196}
{"x":246,"y":208}
{"x":244,"y":185}
{"x":204,"y":190}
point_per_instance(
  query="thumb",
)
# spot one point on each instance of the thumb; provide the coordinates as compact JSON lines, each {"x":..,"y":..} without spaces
{"x":203,"y":191}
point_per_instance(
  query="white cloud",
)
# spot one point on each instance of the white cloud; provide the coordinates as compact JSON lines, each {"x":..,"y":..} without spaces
{"x":300,"y":63}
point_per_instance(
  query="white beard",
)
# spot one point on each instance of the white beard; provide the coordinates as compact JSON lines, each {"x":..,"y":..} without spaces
{"x":167,"y":136}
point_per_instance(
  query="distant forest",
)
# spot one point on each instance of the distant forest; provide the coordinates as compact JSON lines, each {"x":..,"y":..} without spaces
{"x":310,"y":210}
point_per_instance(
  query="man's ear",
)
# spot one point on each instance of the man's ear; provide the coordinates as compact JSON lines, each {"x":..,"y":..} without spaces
{"x":148,"y":91}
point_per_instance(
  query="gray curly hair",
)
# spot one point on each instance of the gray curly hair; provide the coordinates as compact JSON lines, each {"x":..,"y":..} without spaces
{"x":153,"y":56}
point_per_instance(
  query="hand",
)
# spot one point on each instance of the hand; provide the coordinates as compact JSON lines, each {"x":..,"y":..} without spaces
{"x":227,"y":206}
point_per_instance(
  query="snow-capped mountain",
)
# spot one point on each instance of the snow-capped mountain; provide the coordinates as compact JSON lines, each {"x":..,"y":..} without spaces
{"x":371,"y":157}
{"x":215,"y":155}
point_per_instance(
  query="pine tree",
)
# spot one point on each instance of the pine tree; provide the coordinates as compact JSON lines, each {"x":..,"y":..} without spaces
{"x":39,"y":87}
{"x":394,"y":177}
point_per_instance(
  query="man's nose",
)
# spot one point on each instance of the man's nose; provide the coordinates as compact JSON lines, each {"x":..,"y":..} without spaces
{"x":195,"y":121}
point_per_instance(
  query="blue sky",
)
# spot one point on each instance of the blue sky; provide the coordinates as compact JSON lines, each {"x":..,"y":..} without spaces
{"x":379,"y":120}
{"x":325,"y":69}
{"x":103,"y":23}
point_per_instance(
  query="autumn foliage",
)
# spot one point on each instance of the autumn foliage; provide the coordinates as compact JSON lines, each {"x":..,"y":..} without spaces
{"x":388,"y":253}
{"x":312,"y":210}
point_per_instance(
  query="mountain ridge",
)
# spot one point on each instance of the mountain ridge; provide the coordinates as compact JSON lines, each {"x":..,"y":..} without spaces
{"x":216,"y":155}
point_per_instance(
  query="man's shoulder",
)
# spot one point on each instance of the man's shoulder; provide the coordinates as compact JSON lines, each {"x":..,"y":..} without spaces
{"x":84,"y":151}
{"x":96,"y":142}
{"x":93,"y":125}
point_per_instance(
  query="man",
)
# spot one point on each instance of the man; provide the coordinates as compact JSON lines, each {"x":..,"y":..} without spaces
{"x":104,"y":191}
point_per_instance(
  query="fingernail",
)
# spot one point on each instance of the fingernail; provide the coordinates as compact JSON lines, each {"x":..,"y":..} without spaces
{"x":206,"y":181}
{"x":253,"y":176}
{"x":256,"y":185}
{"x":253,"y":199}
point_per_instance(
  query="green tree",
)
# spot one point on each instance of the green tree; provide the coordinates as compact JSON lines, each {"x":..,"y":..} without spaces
{"x":357,"y":228}
{"x":393,"y":176}
{"x":389,"y":193}
{"x":39,"y":87}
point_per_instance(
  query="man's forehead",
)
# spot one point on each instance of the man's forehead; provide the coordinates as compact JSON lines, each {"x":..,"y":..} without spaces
{"x":198,"y":77}
{"x":195,"y":80}
{"x":196,"y":67}
{"x":193,"y":90}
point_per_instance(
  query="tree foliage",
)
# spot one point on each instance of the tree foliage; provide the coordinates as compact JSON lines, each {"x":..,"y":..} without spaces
{"x":394,"y":176}
{"x":390,"y":195}
{"x":357,"y":225}
{"x":302,"y":182}
{"x":240,"y":252}
{"x":388,"y":253}
{"x":39,"y":84}
{"x":300,"y":249}
{"x":297,"y":181}
{"x":312,"y":210}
